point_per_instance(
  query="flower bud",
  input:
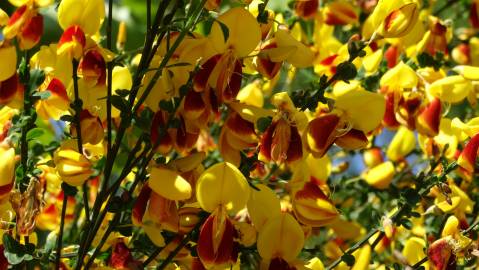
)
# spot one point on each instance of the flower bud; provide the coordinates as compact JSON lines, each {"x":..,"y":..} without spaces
{"x":373,"y":157}
{"x":306,"y":9}
{"x":121,"y":37}
{"x":188,"y":219}
{"x":380,"y":176}
{"x":461,"y":54}
{"x":400,"y":18}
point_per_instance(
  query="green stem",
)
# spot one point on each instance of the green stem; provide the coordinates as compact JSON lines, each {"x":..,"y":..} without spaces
{"x":60,"y":234}
{"x":446,"y":6}
{"x":27,"y":112}
{"x":110,"y":75}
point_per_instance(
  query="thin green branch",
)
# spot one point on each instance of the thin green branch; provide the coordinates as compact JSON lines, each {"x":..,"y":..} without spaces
{"x":60,"y":233}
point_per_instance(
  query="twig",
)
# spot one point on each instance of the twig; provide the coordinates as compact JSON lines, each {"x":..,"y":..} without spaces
{"x":60,"y":233}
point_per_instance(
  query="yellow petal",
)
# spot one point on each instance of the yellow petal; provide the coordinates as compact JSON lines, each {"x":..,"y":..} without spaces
{"x":414,"y":250}
{"x":8,"y":65}
{"x":281,"y":236}
{"x":363,"y":256}
{"x":222,"y":185}
{"x":244,"y":32}
{"x":251,"y":94}
{"x":88,"y":14}
{"x":7,"y":166}
{"x":451,"y":227}
{"x":121,"y":81}
{"x":450,"y":89}
{"x":153,"y":231}
{"x":3,"y":17}
{"x":169,"y":184}
{"x":315,"y":264}
{"x":263,"y":206}
{"x":402,"y":144}
{"x":468,"y":72}
{"x":444,"y":205}
{"x":188,"y":163}
{"x":364,"y":109}
{"x":401,"y":76}
{"x":301,"y":56}
{"x":371,"y":62}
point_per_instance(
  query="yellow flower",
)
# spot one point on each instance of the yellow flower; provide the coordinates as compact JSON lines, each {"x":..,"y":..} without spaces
{"x":263,"y":206}
{"x":312,"y":206}
{"x":395,"y":18}
{"x":169,"y":184}
{"x":451,"y":89}
{"x":222,"y":185}
{"x":74,"y":168}
{"x":86,"y":14}
{"x":413,"y":251}
{"x":281,"y":237}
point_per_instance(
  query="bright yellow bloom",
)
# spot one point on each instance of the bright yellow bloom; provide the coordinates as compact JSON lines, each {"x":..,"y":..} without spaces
{"x":169,"y":184}
{"x":74,"y":168}
{"x":450,"y":89}
{"x":263,"y":206}
{"x":222,"y":185}
{"x":87,"y":14}
{"x":280,"y":237}
{"x":395,"y":18}
{"x":413,"y":251}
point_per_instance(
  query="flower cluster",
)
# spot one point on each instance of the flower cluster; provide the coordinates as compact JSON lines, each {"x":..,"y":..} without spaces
{"x":247,"y":134}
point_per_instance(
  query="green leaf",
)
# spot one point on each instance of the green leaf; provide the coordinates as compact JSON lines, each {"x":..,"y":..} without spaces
{"x":122,"y":93}
{"x":67,"y":118}
{"x":346,"y":71}
{"x":411,"y":196}
{"x":69,"y":190}
{"x":42,"y":94}
{"x":263,"y":123}
{"x":120,"y":103}
{"x":224,"y":29}
{"x":35,"y":133}
{"x":406,"y":223}
{"x":167,"y":105}
{"x":348,"y":259}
